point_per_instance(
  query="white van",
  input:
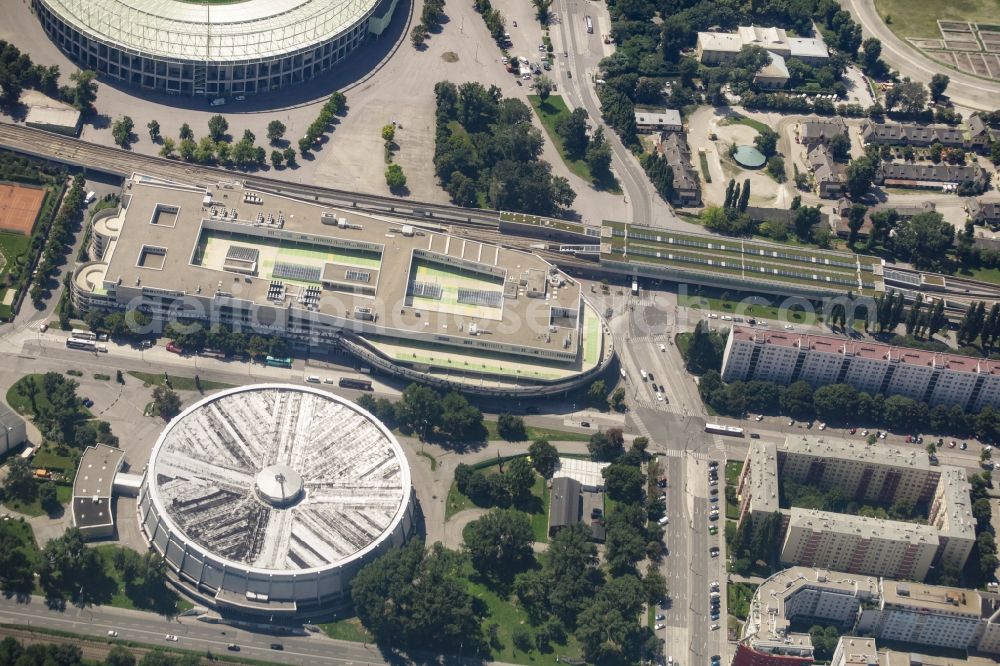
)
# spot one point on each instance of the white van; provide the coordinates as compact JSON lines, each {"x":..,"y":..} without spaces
{"x":218,"y":101}
{"x":91,"y":196}
{"x":313,"y":379}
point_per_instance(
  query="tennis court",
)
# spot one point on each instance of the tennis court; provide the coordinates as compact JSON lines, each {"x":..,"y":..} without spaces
{"x":19,"y":206}
{"x":439,"y":288}
{"x":291,"y":259}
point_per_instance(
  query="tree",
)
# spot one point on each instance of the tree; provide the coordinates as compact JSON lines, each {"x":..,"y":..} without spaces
{"x":840,"y":147}
{"x":860,"y":174}
{"x":217,"y":127}
{"x":776,"y":168}
{"x":388,"y":133}
{"x":806,"y":219}
{"x":48,"y":498}
{"x":119,"y":655}
{"x":168,"y":147}
{"x":617,"y":399}
{"x":154,"y":130}
{"x":797,"y":400}
{"x":84,"y":90}
{"x":607,"y":445}
{"x":572,"y":129}
{"x":187,"y":149}
{"x":395,"y":178}
{"x":289,"y":154}
{"x":702,"y":354}
{"x":166,"y":403}
{"x":121,"y":130}
{"x":543,"y":86}
{"x":277,"y":157}
{"x":597,"y":392}
{"x":19,"y":483}
{"x":419,"y":409}
{"x":66,"y":564}
{"x":543,"y":11}
{"x":911,"y":96}
{"x":871,"y":52}
{"x":275,"y":130}
{"x":511,"y":428}
{"x":416,"y":597}
{"x":766,"y":141}
{"x":499,"y":543}
{"x":924,"y":240}
{"x":623,"y":483}
{"x":418,"y":35}
{"x":599,"y":155}
{"x":939,"y":83}
{"x":743,"y":200}
{"x":544,"y":458}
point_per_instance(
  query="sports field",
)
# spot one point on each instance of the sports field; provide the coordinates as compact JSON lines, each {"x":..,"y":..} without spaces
{"x":213,"y":247}
{"x":19,"y":206}
{"x":450,"y":280}
{"x":918,"y":18}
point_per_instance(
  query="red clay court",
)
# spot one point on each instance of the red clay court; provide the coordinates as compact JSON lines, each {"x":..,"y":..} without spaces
{"x":19,"y":208}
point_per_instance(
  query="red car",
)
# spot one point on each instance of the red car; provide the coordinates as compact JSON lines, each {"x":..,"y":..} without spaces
{"x":171,"y":347}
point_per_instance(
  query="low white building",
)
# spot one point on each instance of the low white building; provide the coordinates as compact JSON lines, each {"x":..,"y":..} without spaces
{"x":714,"y":48}
{"x":13,"y":430}
{"x":668,"y":120}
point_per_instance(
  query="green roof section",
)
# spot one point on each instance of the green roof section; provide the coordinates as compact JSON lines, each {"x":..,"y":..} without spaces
{"x":538,"y":221}
{"x":741,"y":259}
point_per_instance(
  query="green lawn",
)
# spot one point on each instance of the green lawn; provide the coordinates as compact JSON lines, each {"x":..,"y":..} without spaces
{"x":733,"y":470}
{"x":178,"y":383}
{"x":34,"y":508}
{"x":508,"y":616}
{"x":710,"y":299}
{"x":919,"y":19}
{"x":738,"y":596}
{"x":11,"y":246}
{"x":737,"y":119}
{"x":348,"y":629}
{"x":50,"y":459}
{"x":22,"y":532}
{"x":549,"y":112}
{"x":991,"y":275}
{"x":550,"y":434}
{"x":115,"y":593}
{"x":703,"y":159}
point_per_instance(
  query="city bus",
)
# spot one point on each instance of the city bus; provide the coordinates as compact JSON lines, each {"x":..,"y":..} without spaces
{"x":590,"y":25}
{"x":77,"y":343}
{"x":362,"y":384}
{"x":80,"y":334}
{"x":278,"y":362}
{"x":717,"y":429}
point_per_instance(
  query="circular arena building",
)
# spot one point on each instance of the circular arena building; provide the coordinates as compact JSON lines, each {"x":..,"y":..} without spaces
{"x":189,"y":48}
{"x":268,"y":499}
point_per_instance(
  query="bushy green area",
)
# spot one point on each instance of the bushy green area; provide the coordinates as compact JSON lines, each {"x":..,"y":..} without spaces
{"x":496,"y":600}
{"x":178,"y":383}
{"x":807,"y":496}
{"x":738,"y":596}
{"x":19,"y":557}
{"x":486,"y":152}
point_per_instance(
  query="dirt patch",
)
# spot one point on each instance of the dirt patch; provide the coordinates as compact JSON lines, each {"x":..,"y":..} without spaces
{"x":19,"y":206}
{"x":449,"y":56}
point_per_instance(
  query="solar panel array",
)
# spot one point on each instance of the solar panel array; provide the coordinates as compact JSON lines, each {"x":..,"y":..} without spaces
{"x":297,"y":272}
{"x":490,"y":299}
{"x":425,"y":290}
{"x":242,"y":253}
{"x":359,"y":276}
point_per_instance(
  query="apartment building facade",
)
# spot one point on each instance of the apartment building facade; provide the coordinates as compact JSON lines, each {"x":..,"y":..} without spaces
{"x":935,"y":378}
{"x":880,"y":608}
{"x":874,"y":475}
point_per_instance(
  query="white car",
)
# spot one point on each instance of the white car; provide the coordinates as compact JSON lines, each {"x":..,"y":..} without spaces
{"x":112,"y":633}
{"x":659,"y":397}
{"x":788,"y":327}
{"x":171,"y":638}
{"x":759,"y":417}
{"x":715,"y":626}
{"x":881,"y":435}
{"x":713,"y":316}
{"x":662,"y":348}
{"x":661,"y":626}
{"x":328,"y":380}
{"x":661,"y":616}
{"x":822,"y":426}
{"x":526,"y":77}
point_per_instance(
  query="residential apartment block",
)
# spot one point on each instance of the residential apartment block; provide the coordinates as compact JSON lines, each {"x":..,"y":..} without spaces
{"x":935,"y":378}
{"x":881,"y":608}
{"x":868,"y":474}
{"x":905,"y":174}
{"x":820,"y":130}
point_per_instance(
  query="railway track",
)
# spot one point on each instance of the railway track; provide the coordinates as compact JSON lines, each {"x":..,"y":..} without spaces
{"x":122,"y":163}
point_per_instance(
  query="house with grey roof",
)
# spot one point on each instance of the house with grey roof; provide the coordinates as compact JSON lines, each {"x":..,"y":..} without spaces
{"x":687,"y":187}
{"x":929,"y":175}
{"x":827,"y":173}
{"x":984,"y":212}
{"x":820,"y":130}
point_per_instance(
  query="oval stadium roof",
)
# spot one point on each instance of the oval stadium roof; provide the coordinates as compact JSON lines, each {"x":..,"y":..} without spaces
{"x":251,"y":30}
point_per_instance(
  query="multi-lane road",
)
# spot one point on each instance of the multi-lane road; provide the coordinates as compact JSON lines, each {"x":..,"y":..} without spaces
{"x":675,"y":427}
{"x":964,"y":90}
